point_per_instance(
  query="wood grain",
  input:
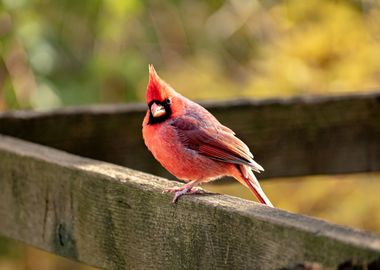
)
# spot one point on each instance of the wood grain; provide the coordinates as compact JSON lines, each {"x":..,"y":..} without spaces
{"x":113,"y":217}
{"x":289,"y":137}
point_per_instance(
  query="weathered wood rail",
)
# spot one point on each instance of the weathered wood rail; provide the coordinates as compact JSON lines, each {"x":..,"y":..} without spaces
{"x":114,"y":217}
{"x":300,"y":136}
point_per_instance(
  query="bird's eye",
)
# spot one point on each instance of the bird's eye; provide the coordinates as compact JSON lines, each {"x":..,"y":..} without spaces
{"x":167,"y":101}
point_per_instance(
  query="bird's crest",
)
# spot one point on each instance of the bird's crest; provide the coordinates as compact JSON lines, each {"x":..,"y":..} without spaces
{"x":157,"y":88}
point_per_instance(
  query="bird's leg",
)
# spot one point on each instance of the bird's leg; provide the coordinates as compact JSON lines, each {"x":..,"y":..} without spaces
{"x":187,"y":189}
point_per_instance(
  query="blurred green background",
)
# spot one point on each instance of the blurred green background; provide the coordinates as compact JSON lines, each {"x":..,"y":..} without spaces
{"x":64,"y":53}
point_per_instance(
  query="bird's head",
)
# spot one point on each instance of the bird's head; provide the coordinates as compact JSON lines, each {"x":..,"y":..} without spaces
{"x":159,"y":96}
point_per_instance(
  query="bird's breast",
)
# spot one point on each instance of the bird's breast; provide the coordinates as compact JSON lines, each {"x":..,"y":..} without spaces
{"x":186,"y":164}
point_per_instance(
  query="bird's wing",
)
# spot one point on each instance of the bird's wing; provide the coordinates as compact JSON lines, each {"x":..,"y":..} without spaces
{"x":214,"y":142}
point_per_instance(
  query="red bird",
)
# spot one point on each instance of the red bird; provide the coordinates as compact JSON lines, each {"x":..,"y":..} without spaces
{"x":192,"y":144}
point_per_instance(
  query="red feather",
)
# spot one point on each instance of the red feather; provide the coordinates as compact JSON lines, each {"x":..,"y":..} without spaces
{"x":213,"y":142}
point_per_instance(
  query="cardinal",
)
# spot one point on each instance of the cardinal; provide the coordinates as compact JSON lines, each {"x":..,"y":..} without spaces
{"x":192,"y":144}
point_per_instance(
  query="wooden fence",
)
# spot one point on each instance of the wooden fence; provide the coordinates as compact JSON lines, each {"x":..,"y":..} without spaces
{"x":115,"y":217}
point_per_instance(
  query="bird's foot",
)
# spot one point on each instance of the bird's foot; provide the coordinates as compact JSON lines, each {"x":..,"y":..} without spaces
{"x":191,"y":191}
{"x":174,"y":189}
{"x":184,"y":190}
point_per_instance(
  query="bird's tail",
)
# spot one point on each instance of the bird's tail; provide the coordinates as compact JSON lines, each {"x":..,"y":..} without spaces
{"x":249,"y":179}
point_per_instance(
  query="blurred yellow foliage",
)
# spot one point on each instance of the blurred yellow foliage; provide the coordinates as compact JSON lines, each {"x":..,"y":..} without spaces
{"x":81,"y":53}
{"x":320,"y":47}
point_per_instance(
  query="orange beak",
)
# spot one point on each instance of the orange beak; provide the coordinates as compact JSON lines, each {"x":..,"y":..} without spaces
{"x":157,"y":110}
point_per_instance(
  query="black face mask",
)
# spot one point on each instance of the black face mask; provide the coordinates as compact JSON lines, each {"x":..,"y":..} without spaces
{"x":160,"y":119}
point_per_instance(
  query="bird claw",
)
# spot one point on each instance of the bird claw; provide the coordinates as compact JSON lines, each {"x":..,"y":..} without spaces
{"x":170,"y":190}
{"x":184,"y":191}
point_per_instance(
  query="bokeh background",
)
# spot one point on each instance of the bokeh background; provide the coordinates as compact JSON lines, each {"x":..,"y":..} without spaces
{"x":66,"y":53}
